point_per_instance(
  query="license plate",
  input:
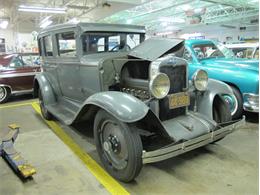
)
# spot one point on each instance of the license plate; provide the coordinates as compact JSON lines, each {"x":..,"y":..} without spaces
{"x":179,"y":100}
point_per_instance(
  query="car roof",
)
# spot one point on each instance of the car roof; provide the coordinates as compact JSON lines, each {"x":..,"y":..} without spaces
{"x":95,"y":27}
{"x":197,"y":41}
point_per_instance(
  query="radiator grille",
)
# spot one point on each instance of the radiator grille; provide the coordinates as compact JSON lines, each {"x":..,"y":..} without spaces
{"x":177,"y":76}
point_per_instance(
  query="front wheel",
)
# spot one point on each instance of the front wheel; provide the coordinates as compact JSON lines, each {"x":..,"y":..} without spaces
{"x":235,"y":103}
{"x":119,"y":147}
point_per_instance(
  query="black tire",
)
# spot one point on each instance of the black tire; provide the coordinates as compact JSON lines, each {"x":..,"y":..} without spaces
{"x":221,"y":112}
{"x":239,"y":112}
{"x":119,"y":147}
{"x":45,"y":113}
{"x":4,"y":94}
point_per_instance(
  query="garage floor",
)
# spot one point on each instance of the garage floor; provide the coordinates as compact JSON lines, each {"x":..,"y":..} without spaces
{"x":228,"y":167}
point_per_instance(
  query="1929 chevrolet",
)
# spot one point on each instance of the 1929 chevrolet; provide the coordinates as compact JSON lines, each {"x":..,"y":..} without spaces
{"x":139,"y":101}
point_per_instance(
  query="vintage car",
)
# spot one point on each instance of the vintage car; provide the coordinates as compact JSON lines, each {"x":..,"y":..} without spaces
{"x":221,"y":64}
{"x":138,"y":101}
{"x":245,"y":50}
{"x":17,"y":73}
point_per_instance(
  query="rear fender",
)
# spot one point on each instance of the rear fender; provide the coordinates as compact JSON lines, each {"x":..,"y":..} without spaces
{"x":205,"y":101}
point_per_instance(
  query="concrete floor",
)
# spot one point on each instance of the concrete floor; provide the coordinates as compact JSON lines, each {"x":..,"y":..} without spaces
{"x":228,"y":167}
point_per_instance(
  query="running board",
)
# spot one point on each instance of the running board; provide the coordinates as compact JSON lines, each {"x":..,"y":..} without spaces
{"x":177,"y":149}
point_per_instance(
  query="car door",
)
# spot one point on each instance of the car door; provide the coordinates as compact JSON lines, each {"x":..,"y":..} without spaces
{"x":68,"y":65}
{"x":20,"y":75}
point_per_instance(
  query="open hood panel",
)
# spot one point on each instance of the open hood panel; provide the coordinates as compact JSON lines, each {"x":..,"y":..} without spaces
{"x":154,"y":48}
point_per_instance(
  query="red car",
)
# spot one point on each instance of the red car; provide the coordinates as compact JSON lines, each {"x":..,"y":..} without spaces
{"x":17,"y":73}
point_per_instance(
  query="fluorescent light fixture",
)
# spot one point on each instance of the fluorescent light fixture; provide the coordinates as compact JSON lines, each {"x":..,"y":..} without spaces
{"x":164,"y":23}
{"x":46,"y":23}
{"x":4,"y":24}
{"x":42,"y":9}
{"x":129,"y":21}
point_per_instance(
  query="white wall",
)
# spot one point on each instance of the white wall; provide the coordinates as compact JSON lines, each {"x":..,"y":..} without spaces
{"x":9,"y":37}
{"x":18,"y":42}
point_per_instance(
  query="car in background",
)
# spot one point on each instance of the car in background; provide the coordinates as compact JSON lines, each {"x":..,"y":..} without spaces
{"x":220,"y":63}
{"x":17,"y":73}
{"x":245,"y":50}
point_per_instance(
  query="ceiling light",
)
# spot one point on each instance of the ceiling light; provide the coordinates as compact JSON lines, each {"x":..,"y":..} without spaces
{"x":46,"y":23}
{"x":129,"y":21}
{"x":164,"y":23}
{"x":42,"y":9}
{"x":4,"y":24}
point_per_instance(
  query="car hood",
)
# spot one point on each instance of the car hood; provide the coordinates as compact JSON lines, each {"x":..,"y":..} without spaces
{"x":233,"y":63}
{"x":154,"y":48}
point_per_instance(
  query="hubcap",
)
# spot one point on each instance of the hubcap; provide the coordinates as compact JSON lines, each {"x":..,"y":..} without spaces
{"x":232,"y":102}
{"x":114,"y":145}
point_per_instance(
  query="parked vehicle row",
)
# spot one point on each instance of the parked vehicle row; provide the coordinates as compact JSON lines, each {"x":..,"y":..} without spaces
{"x":135,"y":94}
{"x":146,"y":100}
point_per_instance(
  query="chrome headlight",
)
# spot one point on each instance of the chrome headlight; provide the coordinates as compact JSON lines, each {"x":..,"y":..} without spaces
{"x":159,"y":86}
{"x":200,"y":80}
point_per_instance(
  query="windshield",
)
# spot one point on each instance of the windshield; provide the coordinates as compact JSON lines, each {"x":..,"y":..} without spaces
{"x":212,"y":50}
{"x":97,"y":42}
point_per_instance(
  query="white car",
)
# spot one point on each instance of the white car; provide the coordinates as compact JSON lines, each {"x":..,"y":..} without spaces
{"x":245,"y":50}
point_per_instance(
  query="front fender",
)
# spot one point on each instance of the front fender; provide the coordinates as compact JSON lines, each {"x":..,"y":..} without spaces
{"x":122,"y":106}
{"x":205,"y":101}
{"x":46,"y":89}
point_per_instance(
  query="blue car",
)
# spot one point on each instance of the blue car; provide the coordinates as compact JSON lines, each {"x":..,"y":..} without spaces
{"x":221,"y":64}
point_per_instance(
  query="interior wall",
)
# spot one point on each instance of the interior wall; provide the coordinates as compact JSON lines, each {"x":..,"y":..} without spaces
{"x":9,"y":36}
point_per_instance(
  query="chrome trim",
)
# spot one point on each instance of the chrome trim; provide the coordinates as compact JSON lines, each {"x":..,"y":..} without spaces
{"x":249,"y":106}
{"x":174,"y":150}
{"x":22,"y":92}
{"x":18,"y":75}
{"x":4,"y":85}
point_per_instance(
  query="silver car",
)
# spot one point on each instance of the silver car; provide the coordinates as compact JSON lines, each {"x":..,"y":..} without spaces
{"x":134,"y":93}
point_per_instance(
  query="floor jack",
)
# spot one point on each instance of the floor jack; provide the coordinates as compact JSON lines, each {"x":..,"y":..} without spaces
{"x":7,"y":151}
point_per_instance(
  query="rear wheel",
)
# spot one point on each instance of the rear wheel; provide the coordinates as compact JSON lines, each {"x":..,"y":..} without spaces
{"x":221,"y":112}
{"x":45,"y":113}
{"x":4,"y":94}
{"x":119,"y":147}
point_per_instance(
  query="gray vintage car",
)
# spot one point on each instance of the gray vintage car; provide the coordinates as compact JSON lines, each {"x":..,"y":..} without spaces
{"x":135,"y":94}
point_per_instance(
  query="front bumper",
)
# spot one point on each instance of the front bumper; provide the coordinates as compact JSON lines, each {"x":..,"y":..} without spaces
{"x":251,"y":102}
{"x":177,"y":149}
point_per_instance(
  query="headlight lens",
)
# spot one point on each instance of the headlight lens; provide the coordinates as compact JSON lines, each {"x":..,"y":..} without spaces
{"x":200,"y":80}
{"x":160,"y":85}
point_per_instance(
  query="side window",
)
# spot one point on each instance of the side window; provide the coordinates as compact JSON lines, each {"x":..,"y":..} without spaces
{"x":48,"y":49}
{"x":187,"y":55}
{"x":66,"y":44}
{"x":16,"y":63}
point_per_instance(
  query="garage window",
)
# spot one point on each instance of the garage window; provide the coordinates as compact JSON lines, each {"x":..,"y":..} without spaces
{"x":48,"y":49}
{"x":66,"y":44}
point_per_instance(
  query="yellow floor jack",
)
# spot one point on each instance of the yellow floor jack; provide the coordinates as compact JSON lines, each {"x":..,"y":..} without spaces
{"x":14,"y":159}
